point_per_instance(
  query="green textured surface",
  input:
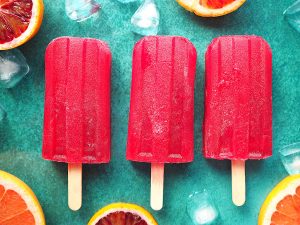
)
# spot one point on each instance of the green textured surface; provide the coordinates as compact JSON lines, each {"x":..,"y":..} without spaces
{"x":21,"y":132}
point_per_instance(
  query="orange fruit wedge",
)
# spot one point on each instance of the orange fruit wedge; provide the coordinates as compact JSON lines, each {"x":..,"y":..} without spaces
{"x":20,"y":20}
{"x":211,"y":8}
{"x":122,"y":213}
{"x":18,"y":204}
{"x":282,"y":206}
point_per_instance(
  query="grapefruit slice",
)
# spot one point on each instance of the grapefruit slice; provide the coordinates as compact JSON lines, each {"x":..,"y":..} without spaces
{"x":20,"y":20}
{"x":18,"y":204}
{"x":122,"y":213}
{"x":282,"y":206}
{"x":211,"y":8}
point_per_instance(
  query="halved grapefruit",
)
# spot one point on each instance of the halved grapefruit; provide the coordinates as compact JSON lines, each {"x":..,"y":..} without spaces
{"x":211,"y":8}
{"x":282,"y":206}
{"x":122,"y":213}
{"x":18,"y":204}
{"x":20,"y":20}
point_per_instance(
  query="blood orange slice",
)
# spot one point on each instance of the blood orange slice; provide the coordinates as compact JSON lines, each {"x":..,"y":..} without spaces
{"x":211,"y":8}
{"x":282,"y":206}
{"x":20,"y":20}
{"x":122,"y":213}
{"x":18,"y":204}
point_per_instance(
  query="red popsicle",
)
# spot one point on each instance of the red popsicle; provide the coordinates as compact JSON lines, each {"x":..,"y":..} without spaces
{"x":238,"y":104}
{"x":77,"y":106}
{"x":161,"y":119}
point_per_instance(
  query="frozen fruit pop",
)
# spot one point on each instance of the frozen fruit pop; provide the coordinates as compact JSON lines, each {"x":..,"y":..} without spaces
{"x":161,"y":119}
{"x":238,"y":104}
{"x":77,"y":106}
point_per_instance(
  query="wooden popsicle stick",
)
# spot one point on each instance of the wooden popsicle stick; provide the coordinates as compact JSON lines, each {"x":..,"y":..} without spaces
{"x":157,"y":186}
{"x":238,"y":182}
{"x":74,"y":186}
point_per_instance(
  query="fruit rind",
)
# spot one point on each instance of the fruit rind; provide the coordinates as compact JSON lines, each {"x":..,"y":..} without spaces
{"x":125,"y":207}
{"x":187,"y":4}
{"x":286,"y":186}
{"x":13,"y":183}
{"x":195,"y":7}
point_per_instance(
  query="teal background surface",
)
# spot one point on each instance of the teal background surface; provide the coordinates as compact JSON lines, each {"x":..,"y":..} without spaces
{"x":121,"y":180}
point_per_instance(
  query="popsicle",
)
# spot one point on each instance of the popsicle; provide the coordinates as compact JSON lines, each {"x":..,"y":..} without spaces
{"x":238,"y":104}
{"x":77,"y":107}
{"x":161,"y":118}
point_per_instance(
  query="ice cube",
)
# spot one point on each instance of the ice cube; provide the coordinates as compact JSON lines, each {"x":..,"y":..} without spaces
{"x":202,"y":209}
{"x":290,"y":157}
{"x":13,"y":67}
{"x":80,"y":10}
{"x":2,"y":113}
{"x":126,"y":1}
{"x":292,"y":15}
{"x":145,"y":20}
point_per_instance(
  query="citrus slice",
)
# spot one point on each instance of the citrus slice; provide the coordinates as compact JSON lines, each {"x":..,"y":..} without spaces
{"x":282,"y":206}
{"x":18,"y":204}
{"x":211,"y":8}
{"x":122,"y":213}
{"x":20,"y":20}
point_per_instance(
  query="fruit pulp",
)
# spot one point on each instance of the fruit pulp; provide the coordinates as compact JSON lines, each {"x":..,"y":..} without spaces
{"x":287,"y":210}
{"x":117,"y":218}
{"x":15,"y":17}
{"x":215,"y":4}
{"x":13,"y":209}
